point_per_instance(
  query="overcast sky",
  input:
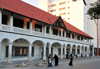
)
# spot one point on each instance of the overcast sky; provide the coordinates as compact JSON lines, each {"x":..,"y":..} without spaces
{"x":33,"y":2}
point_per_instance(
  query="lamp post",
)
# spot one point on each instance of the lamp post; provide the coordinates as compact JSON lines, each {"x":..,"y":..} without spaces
{"x":97,"y":37}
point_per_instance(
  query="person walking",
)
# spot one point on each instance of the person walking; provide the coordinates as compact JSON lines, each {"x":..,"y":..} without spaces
{"x":49,"y":61}
{"x":56,"y":60}
{"x":71,"y":60}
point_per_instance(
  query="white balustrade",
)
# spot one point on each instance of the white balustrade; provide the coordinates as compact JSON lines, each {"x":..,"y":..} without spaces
{"x":5,"y":27}
{"x":35,"y":33}
{"x":47,"y":35}
{"x":20,"y":30}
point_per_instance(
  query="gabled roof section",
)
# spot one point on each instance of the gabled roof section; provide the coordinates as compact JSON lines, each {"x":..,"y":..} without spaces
{"x":74,"y":29}
{"x":20,"y":7}
{"x":59,"y":23}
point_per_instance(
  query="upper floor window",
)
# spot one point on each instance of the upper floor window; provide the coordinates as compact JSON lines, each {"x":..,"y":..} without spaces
{"x":52,"y":10}
{"x":62,"y":8}
{"x":53,"y":5}
{"x":62,"y":14}
{"x":55,"y":32}
{"x":38,"y":28}
{"x":62,"y":3}
{"x":4,"y":19}
{"x":18,"y":23}
{"x":28,"y":24}
{"x":47,"y":29}
{"x":74,"y":0}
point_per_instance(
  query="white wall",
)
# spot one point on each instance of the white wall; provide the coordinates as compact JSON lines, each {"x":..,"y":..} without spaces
{"x":92,"y":27}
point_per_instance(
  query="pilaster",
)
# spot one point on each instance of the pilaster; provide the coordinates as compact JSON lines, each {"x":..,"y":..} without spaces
{"x":10,"y":53}
{"x":30,"y":53}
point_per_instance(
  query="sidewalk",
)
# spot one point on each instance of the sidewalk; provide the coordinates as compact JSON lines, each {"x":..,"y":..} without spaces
{"x":26,"y":63}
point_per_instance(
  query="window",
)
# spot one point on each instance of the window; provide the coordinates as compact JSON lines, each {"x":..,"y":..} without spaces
{"x":47,"y":29}
{"x":68,"y":1}
{"x":62,"y":14}
{"x":68,"y":12}
{"x":21,"y":51}
{"x":62,"y":3}
{"x":55,"y":32}
{"x":28,"y":24}
{"x":62,"y":8}
{"x":6,"y":51}
{"x":68,"y":7}
{"x":38,"y":28}
{"x":74,"y":0}
{"x":68,"y":35}
{"x":18,"y":23}
{"x":52,"y":5}
{"x":32,"y":51}
{"x":68,"y":18}
{"x":64,"y":18}
{"x":4,"y":19}
{"x":52,"y":10}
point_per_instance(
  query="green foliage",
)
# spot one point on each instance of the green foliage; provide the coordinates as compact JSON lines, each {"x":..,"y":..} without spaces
{"x":94,"y":11}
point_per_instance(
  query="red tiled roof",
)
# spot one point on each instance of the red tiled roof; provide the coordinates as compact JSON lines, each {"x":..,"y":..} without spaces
{"x":74,"y":29}
{"x":25,"y":9}
{"x":30,"y":11}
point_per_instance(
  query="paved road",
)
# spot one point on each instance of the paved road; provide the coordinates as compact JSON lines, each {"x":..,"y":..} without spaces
{"x":78,"y":64}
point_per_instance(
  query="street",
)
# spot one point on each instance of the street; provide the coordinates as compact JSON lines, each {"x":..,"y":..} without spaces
{"x":86,"y":63}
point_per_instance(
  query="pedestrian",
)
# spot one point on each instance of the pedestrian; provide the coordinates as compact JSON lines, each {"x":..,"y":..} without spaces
{"x":85,"y":55}
{"x":49,"y":61}
{"x":71,"y":60}
{"x":67,"y":55}
{"x":49,"y":57}
{"x":56,"y":59}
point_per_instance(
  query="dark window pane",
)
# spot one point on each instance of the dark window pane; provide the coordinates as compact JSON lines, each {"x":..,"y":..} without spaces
{"x":18,"y":23}
{"x":55,"y":32}
{"x":38,"y":28}
{"x":28,"y":23}
{"x":4,"y":19}
{"x":47,"y":29}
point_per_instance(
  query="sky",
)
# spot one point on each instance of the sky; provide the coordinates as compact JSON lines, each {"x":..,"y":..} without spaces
{"x":33,"y":2}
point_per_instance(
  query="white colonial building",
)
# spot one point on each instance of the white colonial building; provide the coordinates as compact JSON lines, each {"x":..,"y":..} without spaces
{"x":27,"y":33}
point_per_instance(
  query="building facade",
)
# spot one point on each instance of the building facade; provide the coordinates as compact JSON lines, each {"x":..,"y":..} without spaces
{"x":27,"y":33}
{"x":74,"y":12}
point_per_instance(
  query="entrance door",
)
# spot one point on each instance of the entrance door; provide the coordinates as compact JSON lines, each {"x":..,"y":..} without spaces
{"x":41,"y":52}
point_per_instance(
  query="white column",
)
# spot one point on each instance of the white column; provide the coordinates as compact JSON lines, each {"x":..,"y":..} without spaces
{"x":76,"y":36}
{"x":0,"y":49}
{"x":93,"y":51}
{"x":11,"y":22}
{"x":30,"y":53}
{"x":80,"y":38}
{"x":50,"y":31}
{"x":84,"y":51}
{"x":87,"y":52}
{"x":65,"y":34}
{"x":49,"y":49}
{"x":76,"y":51}
{"x":31,"y":26}
{"x":45,"y":30}
{"x":65,"y":51}
{"x":71,"y":35}
{"x":10,"y":53}
{"x":0,"y":19}
{"x":70,"y":49}
{"x":80,"y":50}
{"x":61,"y":32}
{"x":61,"y":51}
{"x":44,"y":53}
